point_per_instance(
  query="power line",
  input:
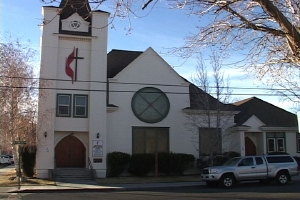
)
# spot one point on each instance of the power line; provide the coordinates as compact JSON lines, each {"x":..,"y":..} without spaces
{"x":132,"y":91}
{"x":147,"y":84}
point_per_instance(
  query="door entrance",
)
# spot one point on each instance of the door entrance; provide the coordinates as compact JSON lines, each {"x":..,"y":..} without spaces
{"x":70,"y":152}
{"x":250,"y":148}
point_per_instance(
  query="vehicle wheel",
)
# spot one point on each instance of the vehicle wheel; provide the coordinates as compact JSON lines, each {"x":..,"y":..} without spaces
{"x":227,"y":181}
{"x":282,"y":178}
{"x":212,"y":183}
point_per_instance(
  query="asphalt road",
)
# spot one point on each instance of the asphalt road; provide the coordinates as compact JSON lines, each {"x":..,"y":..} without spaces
{"x":243,"y":191}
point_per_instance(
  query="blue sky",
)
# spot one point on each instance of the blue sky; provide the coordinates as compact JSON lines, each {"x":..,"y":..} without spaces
{"x":161,"y":29}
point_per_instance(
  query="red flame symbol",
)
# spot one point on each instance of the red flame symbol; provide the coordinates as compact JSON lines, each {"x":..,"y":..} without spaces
{"x":69,"y":70}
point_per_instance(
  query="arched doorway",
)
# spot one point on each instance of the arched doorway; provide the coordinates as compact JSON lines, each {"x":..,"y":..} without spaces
{"x":250,"y":148}
{"x":70,"y":152}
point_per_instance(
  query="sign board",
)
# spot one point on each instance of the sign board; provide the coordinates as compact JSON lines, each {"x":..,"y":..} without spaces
{"x":19,"y":142}
{"x":97,"y":160}
{"x":97,"y":148}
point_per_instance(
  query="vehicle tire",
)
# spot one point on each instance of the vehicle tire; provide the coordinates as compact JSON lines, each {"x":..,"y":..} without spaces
{"x":227,"y":181}
{"x":212,"y":183}
{"x":282,"y":178}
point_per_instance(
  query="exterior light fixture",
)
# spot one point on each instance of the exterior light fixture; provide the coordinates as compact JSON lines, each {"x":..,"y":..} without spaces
{"x":45,"y":134}
{"x":98,"y":135}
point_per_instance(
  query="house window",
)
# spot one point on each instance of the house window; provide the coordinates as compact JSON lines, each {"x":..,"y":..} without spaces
{"x":210,"y":141}
{"x":63,"y":105}
{"x":150,"y":140}
{"x":298,"y":142}
{"x":80,"y":105}
{"x":276,"y":142}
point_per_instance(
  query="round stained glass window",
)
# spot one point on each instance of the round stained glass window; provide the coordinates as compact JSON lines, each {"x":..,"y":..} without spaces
{"x":150,"y":105}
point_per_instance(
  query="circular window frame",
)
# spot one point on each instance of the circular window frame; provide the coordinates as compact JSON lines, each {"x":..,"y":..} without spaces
{"x":143,"y":119}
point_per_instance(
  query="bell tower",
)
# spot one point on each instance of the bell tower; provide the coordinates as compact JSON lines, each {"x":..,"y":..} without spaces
{"x":74,"y":71}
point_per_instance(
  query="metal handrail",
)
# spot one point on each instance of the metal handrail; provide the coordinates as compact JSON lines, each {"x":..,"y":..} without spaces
{"x":91,"y":167}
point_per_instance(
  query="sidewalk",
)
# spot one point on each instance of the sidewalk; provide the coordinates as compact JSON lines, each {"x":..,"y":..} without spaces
{"x":89,"y":185}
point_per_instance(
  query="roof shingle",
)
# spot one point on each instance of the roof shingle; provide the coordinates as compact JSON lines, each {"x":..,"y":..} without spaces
{"x":117,"y":60}
{"x":270,"y":115}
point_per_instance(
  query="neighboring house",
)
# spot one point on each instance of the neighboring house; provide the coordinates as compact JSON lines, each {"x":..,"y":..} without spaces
{"x":127,"y":101}
{"x":263,"y":128}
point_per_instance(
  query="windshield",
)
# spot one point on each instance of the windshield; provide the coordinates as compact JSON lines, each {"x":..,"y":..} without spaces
{"x":231,"y":162}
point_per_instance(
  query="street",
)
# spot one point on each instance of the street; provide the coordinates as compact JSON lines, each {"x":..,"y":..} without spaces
{"x":249,"y":190}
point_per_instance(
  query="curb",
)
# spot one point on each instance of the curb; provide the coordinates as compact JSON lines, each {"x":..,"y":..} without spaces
{"x":73,"y":190}
{"x":107,"y":188}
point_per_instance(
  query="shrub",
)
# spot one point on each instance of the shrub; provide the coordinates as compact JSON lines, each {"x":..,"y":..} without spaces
{"x":180,"y":162}
{"x":221,"y":159}
{"x":174,"y":163}
{"x":28,"y":155}
{"x":141,"y":164}
{"x":203,"y":161}
{"x":232,"y":154}
{"x":164,"y":163}
{"x":218,"y":159}
{"x":168,"y":163}
{"x":117,"y":162}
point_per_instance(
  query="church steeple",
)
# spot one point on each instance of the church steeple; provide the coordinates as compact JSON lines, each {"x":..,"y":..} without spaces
{"x":68,"y":8}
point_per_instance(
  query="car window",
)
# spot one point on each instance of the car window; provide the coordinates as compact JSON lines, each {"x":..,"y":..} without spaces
{"x":231,"y":162}
{"x":246,"y":162}
{"x":279,"y":159}
{"x":259,"y":160}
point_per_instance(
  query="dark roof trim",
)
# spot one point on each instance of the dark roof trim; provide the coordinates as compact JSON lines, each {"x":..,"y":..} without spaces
{"x":117,"y":60}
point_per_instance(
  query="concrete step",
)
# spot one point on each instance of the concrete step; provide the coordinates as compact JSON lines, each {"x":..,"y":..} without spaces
{"x":72,"y":174}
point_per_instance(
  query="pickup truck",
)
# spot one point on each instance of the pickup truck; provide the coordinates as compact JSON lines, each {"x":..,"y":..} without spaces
{"x":263,"y":168}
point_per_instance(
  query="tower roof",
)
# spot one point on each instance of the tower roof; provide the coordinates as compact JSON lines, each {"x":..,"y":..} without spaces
{"x":82,"y":8}
{"x":69,"y":7}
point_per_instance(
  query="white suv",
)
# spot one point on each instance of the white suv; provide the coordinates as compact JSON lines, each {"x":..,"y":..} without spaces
{"x":5,"y":159}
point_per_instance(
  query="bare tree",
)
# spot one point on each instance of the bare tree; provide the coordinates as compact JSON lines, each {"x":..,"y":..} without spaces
{"x":210,"y":114}
{"x":265,"y":32}
{"x":18,"y":95}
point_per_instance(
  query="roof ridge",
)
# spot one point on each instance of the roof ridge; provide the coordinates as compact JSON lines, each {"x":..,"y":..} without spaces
{"x":238,"y":103}
{"x":125,"y":50}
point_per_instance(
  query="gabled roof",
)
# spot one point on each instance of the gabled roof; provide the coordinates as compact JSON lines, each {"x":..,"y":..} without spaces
{"x":270,"y":115}
{"x":117,"y":60}
{"x":204,"y":101}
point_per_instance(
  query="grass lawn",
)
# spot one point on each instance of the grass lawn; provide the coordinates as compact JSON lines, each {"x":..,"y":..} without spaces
{"x":9,"y":179}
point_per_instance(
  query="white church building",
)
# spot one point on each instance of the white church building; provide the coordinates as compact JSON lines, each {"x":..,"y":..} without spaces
{"x":98,"y":102}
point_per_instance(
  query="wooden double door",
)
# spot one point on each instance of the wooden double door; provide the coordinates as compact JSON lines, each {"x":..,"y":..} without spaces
{"x":70,"y":152}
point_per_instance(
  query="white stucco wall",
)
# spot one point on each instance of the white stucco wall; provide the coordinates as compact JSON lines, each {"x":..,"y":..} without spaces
{"x":55,"y":48}
{"x":148,"y":68}
{"x":291,"y":143}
